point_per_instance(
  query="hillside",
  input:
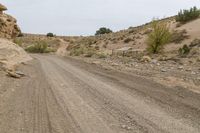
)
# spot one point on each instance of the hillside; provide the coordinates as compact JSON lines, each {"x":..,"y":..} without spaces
{"x":126,"y":49}
{"x":132,"y":40}
{"x":130,"y":43}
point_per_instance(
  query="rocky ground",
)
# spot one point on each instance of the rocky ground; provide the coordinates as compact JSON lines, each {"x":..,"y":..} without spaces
{"x":170,"y":73}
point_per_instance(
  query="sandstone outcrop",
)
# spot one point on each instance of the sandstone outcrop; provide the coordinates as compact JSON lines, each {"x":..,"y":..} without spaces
{"x":8,"y":25}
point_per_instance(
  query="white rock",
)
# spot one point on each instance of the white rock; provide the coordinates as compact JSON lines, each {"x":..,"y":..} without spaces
{"x":124,"y":126}
{"x":20,"y":73}
{"x":193,"y":73}
{"x":115,"y":64}
{"x":129,"y":128}
{"x":180,"y":67}
{"x":154,"y":61}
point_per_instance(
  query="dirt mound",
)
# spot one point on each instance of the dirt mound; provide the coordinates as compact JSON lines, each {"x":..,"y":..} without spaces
{"x":11,"y":54}
{"x":8,"y":25}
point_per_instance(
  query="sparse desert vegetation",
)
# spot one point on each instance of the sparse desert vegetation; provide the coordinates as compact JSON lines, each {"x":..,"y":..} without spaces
{"x":184,"y":50}
{"x":188,"y":15}
{"x":127,"y":40}
{"x":39,"y":47}
{"x":158,"y":37}
{"x":81,"y":50}
{"x":38,"y":44}
{"x":195,"y":43}
{"x":179,"y":36}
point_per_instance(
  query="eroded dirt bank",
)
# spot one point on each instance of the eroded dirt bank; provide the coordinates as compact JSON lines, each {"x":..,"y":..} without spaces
{"x":63,"y":95}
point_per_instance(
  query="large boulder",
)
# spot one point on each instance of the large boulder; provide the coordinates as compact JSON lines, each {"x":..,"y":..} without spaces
{"x":11,"y":54}
{"x":8,"y":25}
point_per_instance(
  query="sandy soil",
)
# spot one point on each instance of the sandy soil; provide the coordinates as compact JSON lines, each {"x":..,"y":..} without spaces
{"x":61,"y":51}
{"x":63,"y":95}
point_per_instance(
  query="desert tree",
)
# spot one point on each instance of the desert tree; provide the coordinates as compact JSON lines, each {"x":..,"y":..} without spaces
{"x":50,"y":34}
{"x":103,"y":30}
{"x":159,"y":36}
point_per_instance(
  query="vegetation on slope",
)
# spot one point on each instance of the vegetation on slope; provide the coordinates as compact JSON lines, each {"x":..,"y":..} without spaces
{"x":158,"y":37}
{"x":188,"y":15}
{"x":39,"y":47}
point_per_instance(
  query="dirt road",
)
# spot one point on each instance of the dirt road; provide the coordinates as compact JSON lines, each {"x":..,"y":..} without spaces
{"x":63,"y":95}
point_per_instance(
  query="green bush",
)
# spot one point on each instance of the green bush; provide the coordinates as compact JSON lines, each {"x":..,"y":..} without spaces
{"x":158,"y":37}
{"x":103,"y":30}
{"x":50,"y":35}
{"x":39,"y":47}
{"x":188,"y":15}
{"x":185,"y":50}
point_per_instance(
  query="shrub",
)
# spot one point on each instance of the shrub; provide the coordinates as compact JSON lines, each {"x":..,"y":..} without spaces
{"x":103,"y":30}
{"x":127,"y":40}
{"x":101,"y":55}
{"x":77,"y":51}
{"x":158,"y":37}
{"x":18,"y":41}
{"x":97,"y":47}
{"x":178,"y":36}
{"x":188,"y":15}
{"x":20,"y":35}
{"x":89,"y":53}
{"x":105,"y":45}
{"x":195,"y":43}
{"x":184,"y":50}
{"x":39,"y":47}
{"x":50,"y":35}
{"x":82,"y":50}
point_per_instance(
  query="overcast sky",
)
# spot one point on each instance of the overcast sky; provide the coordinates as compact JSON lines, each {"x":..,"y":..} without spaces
{"x":84,"y":17}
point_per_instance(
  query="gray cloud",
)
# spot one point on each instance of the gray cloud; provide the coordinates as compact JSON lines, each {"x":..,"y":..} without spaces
{"x":83,"y":17}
